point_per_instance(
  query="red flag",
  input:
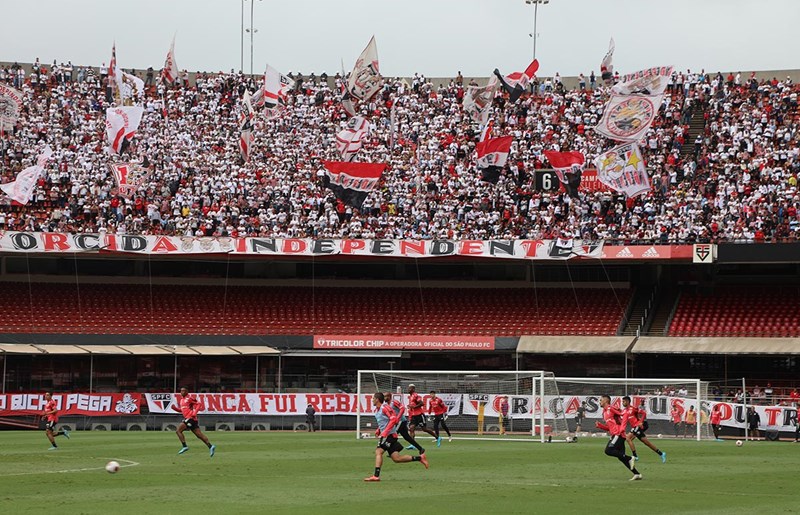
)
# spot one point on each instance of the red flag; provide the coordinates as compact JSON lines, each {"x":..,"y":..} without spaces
{"x":568,"y":166}
{"x":494,"y":151}
{"x":351,"y":182}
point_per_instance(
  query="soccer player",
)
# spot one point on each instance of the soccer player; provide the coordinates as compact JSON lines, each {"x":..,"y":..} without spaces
{"x":636,"y":418}
{"x":715,"y":419}
{"x":402,"y":426}
{"x":189,"y":406}
{"x":416,"y":410}
{"x":437,"y":407}
{"x":675,"y":417}
{"x":387,"y":420}
{"x":614,"y":423}
{"x":579,"y":414}
{"x":690,"y":422}
{"x":50,"y":414}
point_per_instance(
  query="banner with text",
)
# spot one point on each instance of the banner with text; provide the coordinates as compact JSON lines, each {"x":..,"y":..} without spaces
{"x":362,"y":342}
{"x":91,"y":404}
{"x":50,"y":242}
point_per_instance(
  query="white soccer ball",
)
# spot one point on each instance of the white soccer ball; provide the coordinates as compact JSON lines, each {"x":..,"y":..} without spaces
{"x":569,"y":439}
{"x":659,"y":435}
{"x":739,"y":443}
{"x":112,"y":467}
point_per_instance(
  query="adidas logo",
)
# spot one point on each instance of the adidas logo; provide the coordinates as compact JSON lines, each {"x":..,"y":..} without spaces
{"x":651,"y":253}
{"x":625,"y":253}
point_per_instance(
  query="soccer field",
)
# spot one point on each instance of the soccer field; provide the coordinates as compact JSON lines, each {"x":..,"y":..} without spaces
{"x":323,"y":472}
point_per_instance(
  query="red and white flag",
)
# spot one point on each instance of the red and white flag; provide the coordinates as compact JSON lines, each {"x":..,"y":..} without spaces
{"x":365,"y":79}
{"x":515,"y":83}
{"x":246,"y":136}
{"x":10,"y":107}
{"x":351,"y":182}
{"x":129,"y":177}
{"x":349,"y":140}
{"x":494,"y":151}
{"x":21,"y":189}
{"x":273,"y":93}
{"x":478,"y":101}
{"x":623,"y":169}
{"x":568,"y":167}
{"x":121,"y":126}
{"x":606,"y":67}
{"x":170,"y":71}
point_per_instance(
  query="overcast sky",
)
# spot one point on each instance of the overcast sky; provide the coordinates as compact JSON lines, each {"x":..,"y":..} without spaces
{"x":433,"y":37}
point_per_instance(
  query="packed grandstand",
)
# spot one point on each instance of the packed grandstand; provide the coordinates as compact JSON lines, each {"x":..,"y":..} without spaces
{"x":722,"y":155}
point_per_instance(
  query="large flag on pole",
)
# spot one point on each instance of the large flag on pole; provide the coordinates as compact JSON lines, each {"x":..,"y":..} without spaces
{"x":606,"y":66}
{"x":121,"y":126}
{"x":10,"y":106}
{"x":365,"y":79}
{"x":21,"y":189}
{"x":623,"y":169}
{"x":515,"y":83}
{"x":494,"y":151}
{"x":351,"y":182}
{"x":652,"y":82}
{"x":568,"y":167}
{"x":628,"y":117}
{"x":492,"y":157}
{"x":478,"y":101}
{"x":273,"y":93}
{"x":129,"y":177}
{"x":170,"y":71}
{"x":246,"y":137}
{"x":349,"y":140}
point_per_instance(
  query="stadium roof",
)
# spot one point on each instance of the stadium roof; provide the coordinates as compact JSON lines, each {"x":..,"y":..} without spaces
{"x":141,"y":350}
{"x":671,"y":345}
{"x":574,"y":344}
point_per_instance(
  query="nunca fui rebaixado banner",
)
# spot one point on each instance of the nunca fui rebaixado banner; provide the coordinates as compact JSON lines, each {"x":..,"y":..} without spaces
{"x":89,"y":404}
{"x":50,"y":242}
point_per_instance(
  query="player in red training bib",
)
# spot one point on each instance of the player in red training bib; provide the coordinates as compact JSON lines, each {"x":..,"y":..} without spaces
{"x":50,"y":415}
{"x":189,"y":406}
{"x":416,"y":411}
{"x":614,"y":423}
{"x":636,"y":419}
{"x":388,"y":420}
{"x":437,"y":407}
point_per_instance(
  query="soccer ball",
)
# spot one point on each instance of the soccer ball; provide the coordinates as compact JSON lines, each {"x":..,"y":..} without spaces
{"x":365,"y":435}
{"x":569,"y":439}
{"x":112,"y":467}
{"x":659,"y":435}
{"x":739,"y":443}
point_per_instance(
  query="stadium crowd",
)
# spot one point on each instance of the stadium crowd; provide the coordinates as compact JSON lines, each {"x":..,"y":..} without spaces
{"x":737,"y":182}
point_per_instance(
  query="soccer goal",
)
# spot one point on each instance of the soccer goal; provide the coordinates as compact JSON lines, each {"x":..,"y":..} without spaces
{"x":675,"y":408}
{"x":481,"y":404}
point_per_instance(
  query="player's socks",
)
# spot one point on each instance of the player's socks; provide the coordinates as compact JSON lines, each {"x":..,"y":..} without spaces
{"x":635,"y":456}
{"x":377,"y":472}
{"x":415,"y":458}
{"x":635,"y":472}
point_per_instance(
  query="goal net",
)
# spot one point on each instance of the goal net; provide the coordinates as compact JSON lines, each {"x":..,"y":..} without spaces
{"x":480,"y":404}
{"x":675,"y":408}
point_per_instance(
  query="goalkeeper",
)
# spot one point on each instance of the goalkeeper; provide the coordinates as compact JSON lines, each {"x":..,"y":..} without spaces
{"x":437,"y":407}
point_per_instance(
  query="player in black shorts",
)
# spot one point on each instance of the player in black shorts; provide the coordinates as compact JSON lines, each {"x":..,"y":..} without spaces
{"x":636,"y":418}
{"x":387,"y":420}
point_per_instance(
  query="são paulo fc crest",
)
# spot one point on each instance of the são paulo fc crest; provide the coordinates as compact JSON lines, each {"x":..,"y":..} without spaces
{"x":630,"y":116}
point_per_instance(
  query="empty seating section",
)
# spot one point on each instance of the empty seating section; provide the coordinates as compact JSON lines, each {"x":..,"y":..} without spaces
{"x":210,"y":310}
{"x":745,"y":311}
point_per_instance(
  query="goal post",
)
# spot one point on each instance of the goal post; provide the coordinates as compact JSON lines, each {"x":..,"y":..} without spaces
{"x":664,"y":401}
{"x":537,"y":405}
{"x":481,"y":404}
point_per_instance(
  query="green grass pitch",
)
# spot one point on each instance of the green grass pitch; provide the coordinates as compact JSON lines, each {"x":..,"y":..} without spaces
{"x":323,"y":473}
